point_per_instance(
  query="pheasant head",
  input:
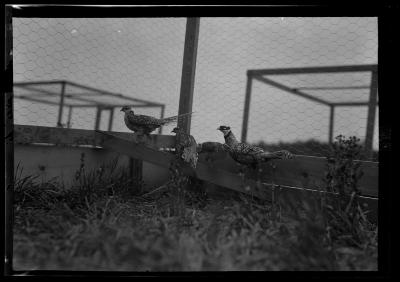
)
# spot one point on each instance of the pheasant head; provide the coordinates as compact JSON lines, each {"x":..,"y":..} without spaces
{"x":126,"y":109}
{"x":230,"y":139}
{"x":224,"y":129}
{"x":176,"y":130}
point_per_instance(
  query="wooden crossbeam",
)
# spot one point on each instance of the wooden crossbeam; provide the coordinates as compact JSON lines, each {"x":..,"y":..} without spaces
{"x":27,"y":134}
{"x":309,"y":70}
{"x":289,"y":89}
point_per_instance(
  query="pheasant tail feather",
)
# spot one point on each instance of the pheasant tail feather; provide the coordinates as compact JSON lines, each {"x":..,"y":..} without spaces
{"x":174,"y":118}
{"x":277,"y":155}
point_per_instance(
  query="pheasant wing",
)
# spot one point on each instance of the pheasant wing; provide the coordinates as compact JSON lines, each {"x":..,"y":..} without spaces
{"x":190,"y":155}
{"x":144,"y":120}
{"x":181,"y":142}
{"x":243,"y":148}
{"x":186,"y":146}
{"x":284,"y":154}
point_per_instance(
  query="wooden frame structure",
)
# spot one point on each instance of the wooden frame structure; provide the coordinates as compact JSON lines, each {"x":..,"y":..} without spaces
{"x":88,"y":98}
{"x":259,"y":75}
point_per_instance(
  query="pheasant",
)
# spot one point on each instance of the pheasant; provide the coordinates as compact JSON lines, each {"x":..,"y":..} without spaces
{"x":186,"y":146}
{"x":143,"y":124}
{"x":247,"y":154}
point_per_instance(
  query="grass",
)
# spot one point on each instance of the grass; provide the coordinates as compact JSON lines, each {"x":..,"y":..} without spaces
{"x":113,"y":232}
{"x":105,"y":222}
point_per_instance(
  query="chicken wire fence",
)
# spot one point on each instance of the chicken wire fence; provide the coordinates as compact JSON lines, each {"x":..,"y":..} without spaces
{"x":229,"y":47}
{"x":139,"y":58}
{"x":142,"y":58}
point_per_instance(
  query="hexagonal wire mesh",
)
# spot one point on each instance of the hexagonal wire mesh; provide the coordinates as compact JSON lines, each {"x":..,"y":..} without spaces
{"x":137,"y":57}
{"x":228,"y":47}
{"x":142,"y":58}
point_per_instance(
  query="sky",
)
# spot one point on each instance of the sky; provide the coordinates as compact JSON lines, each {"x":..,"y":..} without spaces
{"x":142,"y":58}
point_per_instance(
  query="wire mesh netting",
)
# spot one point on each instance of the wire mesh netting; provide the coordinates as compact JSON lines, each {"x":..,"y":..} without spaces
{"x":139,"y":58}
{"x":142,"y":58}
{"x":228,"y":47}
{"x":307,"y":122}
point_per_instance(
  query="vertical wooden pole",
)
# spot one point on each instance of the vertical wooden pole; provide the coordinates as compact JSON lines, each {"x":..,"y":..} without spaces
{"x":161,"y":116}
{"x":69,"y":116}
{"x":246,"y":107}
{"x":331,"y":122}
{"x":98,"y":118}
{"x":136,"y":173}
{"x":188,"y":71}
{"x":373,"y":96}
{"x":61,"y":107}
{"x":111,"y":119}
{"x":9,"y":143}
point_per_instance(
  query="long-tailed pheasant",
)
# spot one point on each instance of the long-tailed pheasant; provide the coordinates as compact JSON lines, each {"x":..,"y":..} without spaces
{"x":186,"y":146}
{"x":247,"y":154}
{"x":143,"y":124}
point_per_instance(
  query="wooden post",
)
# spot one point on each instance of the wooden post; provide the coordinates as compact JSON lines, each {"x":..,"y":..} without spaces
{"x":111,"y":119}
{"x":61,"y":106}
{"x":369,"y":137}
{"x":246,"y":107}
{"x":69,"y":116}
{"x":161,"y":116}
{"x":136,"y":173}
{"x":188,"y":71}
{"x":98,"y":118}
{"x":9,"y":143}
{"x":331,"y":122}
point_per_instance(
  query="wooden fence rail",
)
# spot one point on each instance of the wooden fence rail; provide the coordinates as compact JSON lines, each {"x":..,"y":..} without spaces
{"x":27,"y":134}
{"x":218,"y":176}
{"x":302,"y":175}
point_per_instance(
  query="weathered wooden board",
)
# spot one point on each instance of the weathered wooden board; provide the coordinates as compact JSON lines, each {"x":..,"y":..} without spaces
{"x":213,"y":174}
{"x":304,"y":172}
{"x":26,"y":134}
{"x":309,"y":172}
{"x":63,"y":162}
{"x":294,"y":177}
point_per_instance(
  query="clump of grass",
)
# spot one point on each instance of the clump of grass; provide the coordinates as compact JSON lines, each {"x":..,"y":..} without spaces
{"x":332,"y":228}
{"x":104,"y":223}
{"x":108,"y":180}
{"x":29,"y":192}
{"x":345,"y":214}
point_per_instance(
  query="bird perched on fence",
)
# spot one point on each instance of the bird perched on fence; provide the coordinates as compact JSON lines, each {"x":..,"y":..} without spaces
{"x":186,"y":146}
{"x":143,"y":124}
{"x":247,"y":154}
